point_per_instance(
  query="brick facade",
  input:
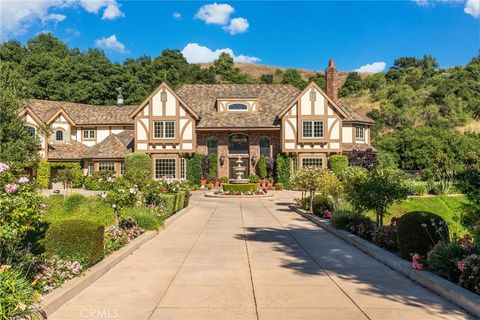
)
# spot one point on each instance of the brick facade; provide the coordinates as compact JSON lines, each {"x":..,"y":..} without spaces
{"x":331,"y":77}
{"x":254,"y":146}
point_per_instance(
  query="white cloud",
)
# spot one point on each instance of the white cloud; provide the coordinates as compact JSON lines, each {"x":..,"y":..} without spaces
{"x":372,"y":67}
{"x":17,"y":17}
{"x":215,"y":13}
{"x":111,"y":44}
{"x":195,"y":53}
{"x":472,"y":7}
{"x":177,"y":15}
{"x":237,"y":25}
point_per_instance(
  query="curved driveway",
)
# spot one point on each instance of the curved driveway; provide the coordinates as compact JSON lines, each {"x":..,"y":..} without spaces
{"x":252,"y":259}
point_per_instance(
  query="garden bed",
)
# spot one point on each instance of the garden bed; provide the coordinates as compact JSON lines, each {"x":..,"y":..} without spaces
{"x":235,"y":196}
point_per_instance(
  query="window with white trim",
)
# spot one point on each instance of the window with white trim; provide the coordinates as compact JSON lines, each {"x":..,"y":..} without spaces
{"x":183,"y":168}
{"x":106,"y":166}
{"x":59,"y":135}
{"x":294,"y":164}
{"x":312,"y":162}
{"x":165,"y":168}
{"x":312,"y":129}
{"x":164,"y":129}
{"x":359,"y":132}
{"x":91,"y":168}
{"x":122,"y":168}
{"x":88,"y":134}
{"x":237,"y":107}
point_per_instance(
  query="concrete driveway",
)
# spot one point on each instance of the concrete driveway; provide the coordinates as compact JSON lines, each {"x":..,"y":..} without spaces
{"x":252,"y":259}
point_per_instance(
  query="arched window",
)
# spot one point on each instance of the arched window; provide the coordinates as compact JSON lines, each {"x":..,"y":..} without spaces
{"x":59,"y":135}
{"x":265,"y":147}
{"x":237,"y":107}
{"x":31,"y":130}
{"x":212,"y":145}
{"x":238,"y":144}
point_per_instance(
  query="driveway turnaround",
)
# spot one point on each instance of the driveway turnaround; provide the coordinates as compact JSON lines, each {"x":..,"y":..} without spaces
{"x":252,"y":259}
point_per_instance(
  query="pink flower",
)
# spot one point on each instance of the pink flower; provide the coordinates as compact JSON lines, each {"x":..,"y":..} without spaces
{"x":327,"y":214}
{"x":23,"y":180}
{"x":3,"y":167}
{"x":11,"y":187}
{"x":415,"y":263}
{"x":461,"y":266}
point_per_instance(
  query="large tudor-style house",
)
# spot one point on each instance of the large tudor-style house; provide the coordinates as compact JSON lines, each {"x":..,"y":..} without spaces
{"x":230,"y":120}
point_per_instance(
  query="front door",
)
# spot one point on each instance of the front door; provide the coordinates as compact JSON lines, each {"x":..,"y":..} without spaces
{"x":232,"y":163}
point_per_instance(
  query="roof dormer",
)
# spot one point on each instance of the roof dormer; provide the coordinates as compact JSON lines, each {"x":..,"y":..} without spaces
{"x":237,"y":105}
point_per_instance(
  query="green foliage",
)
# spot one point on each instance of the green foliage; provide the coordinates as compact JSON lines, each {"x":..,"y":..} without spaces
{"x":121,"y":194}
{"x":293,"y":77}
{"x":417,"y":188}
{"x":354,"y":84}
{"x":283,"y":168}
{"x":278,"y":186}
{"x":470,"y":277}
{"x":417,"y":234}
{"x":92,"y":183}
{"x":224,"y":179}
{"x":376,"y":191}
{"x":168,"y":202}
{"x":73,"y":201}
{"x":137,"y":168}
{"x":45,"y":168}
{"x":15,"y":292}
{"x":194,"y":169}
{"x":145,"y":218}
{"x":262,"y":167}
{"x":179,"y":200}
{"x":78,"y":240}
{"x":253,"y":178}
{"x":321,"y":203}
{"x":469,"y":179}
{"x":340,"y":219}
{"x":443,"y":259}
{"x":361,"y":225}
{"x":212,"y":167}
{"x":241,"y":187}
{"x":338,"y":164}
{"x":386,"y":237}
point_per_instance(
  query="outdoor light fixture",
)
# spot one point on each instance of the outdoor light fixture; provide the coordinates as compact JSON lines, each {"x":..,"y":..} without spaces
{"x":254,"y":159}
{"x":222,"y":160}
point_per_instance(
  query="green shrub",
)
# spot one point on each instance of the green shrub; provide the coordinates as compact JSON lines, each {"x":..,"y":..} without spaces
{"x":386,"y":237}
{"x":145,"y":218}
{"x":321,"y":203}
{"x":179,"y":200}
{"x":73,"y":201}
{"x":114,"y":239}
{"x":91,"y":183}
{"x":283,"y":168}
{"x":417,"y":188}
{"x":78,"y":240}
{"x":224,"y":179}
{"x":362,"y":226}
{"x":15,"y":290}
{"x":338,"y":164}
{"x":443,"y":260}
{"x":278,"y":186}
{"x":137,"y":168}
{"x":188,"y":195}
{"x":44,"y":172}
{"x":194,"y":169}
{"x":416,"y":234}
{"x":168,"y":202}
{"x":262,"y":167}
{"x":243,"y":187}
{"x":470,"y":277}
{"x":253,"y":178}
{"x":340,"y":219}
{"x":212,"y":167}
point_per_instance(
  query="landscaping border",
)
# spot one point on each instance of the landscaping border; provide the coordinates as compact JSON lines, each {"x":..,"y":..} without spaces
{"x":58,"y":297}
{"x":224,"y":196}
{"x":446,"y":289}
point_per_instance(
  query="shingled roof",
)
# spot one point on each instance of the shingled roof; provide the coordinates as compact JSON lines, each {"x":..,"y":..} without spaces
{"x":82,"y":114}
{"x":271,"y":99}
{"x":115,"y":146}
{"x":354,"y":116}
{"x":72,"y":150}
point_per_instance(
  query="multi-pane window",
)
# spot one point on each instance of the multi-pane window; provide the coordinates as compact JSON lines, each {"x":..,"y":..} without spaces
{"x":237,"y":107}
{"x":212,"y":145}
{"x":89,"y":134}
{"x":59,"y":135}
{"x":106,"y":166}
{"x":294,"y":164}
{"x":164,"y":129}
{"x":122,"y":168}
{"x":30,"y":130}
{"x":183,"y":168}
{"x":165,"y":168}
{"x":312,"y":129}
{"x":312,"y":162}
{"x":265,"y":147}
{"x":91,"y":168}
{"x":359,"y":132}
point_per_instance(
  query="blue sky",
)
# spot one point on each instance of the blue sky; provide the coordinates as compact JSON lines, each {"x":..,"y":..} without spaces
{"x":291,"y":34}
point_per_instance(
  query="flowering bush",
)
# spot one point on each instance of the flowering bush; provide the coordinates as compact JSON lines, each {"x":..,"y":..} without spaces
{"x":52,"y":272}
{"x":327,"y":214}
{"x":362,"y":226}
{"x":416,"y":264}
{"x":386,"y":237}
{"x":115,"y":238}
{"x":470,"y":273}
{"x":121,"y":194}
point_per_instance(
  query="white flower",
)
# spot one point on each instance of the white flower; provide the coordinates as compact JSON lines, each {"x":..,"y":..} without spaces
{"x":104,"y":195}
{"x":4,"y":167}
{"x":114,"y":206}
{"x":133,"y":191}
{"x":23,"y":180}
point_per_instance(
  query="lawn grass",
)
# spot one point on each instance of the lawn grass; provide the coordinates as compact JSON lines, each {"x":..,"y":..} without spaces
{"x":449,"y":208}
{"x":86,"y":208}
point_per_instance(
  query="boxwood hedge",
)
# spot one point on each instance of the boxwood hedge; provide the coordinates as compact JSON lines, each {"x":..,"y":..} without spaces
{"x":243,"y":187}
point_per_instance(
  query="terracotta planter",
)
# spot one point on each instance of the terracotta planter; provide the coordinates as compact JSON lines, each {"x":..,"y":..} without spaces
{"x":217,"y":183}
{"x":203,"y":182}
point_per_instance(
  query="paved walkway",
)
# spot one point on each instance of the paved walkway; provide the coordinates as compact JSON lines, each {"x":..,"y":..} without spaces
{"x":252,"y":259}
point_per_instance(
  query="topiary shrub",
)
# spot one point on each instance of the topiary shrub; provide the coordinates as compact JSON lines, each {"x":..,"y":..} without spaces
{"x":78,"y":240}
{"x":338,"y":164}
{"x":137,"y":168}
{"x":73,"y":201}
{"x":416,"y":234}
{"x":283,"y":169}
{"x":194,"y":169}
{"x":179,"y":200}
{"x":321,"y":203}
{"x":262,"y":167}
{"x":212,"y":167}
{"x":243,"y":187}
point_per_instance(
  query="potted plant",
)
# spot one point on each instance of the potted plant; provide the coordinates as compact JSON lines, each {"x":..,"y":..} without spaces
{"x":217,"y":183}
{"x":224,"y":179}
{"x":203,"y":182}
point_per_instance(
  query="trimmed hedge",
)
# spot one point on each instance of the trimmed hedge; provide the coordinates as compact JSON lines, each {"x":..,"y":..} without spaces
{"x":194,"y":169}
{"x":137,"y":168}
{"x":168,"y":201}
{"x":240,"y":187}
{"x":179,"y":200}
{"x":79,"y":240}
{"x":415,"y":238}
{"x":45,"y":168}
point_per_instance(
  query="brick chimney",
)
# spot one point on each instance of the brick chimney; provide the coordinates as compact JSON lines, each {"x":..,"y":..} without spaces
{"x":331,"y":78}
